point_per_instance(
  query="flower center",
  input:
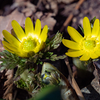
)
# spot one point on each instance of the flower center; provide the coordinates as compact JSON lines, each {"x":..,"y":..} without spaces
{"x":89,"y":44}
{"x":29,"y":44}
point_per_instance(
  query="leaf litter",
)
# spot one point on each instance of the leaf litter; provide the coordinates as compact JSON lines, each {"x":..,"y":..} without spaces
{"x":51,"y":13}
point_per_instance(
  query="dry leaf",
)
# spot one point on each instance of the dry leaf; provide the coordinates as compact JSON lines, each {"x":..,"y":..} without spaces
{"x":5,"y":22}
{"x":9,"y":85}
{"x":62,"y":1}
{"x":9,"y":75}
{"x":1,"y":46}
{"x":8,"y":93}
{"x":25,"y":7}
{"x":19,"y":0}
{"x":29,"y":9}
{"x":65,"y":1}
{"x":46,"y":19}
{"x":52,"y":6}
{"x":67,"y":9}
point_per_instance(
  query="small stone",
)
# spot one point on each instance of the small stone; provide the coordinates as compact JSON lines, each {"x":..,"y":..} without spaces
{"x":74,"y":20}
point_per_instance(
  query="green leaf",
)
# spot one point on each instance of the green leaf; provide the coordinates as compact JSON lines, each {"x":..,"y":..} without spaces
{"x":20,"y":70}
{"x":92,"y":21}
{"x":48,"y":93}
{"x":55,"y":57}
{"x":10,"y":61}
{"x":81,"y":29}
{"x":54,"y":42}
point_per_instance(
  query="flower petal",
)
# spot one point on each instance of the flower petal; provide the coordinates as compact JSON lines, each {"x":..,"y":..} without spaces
{"x":9,"y":46}
{"x":75,"y":35}
{"x":10,"y":38}
{"x":74,"y":53}
{"x":98,"y":36}
{"x":18,"y":30}
{"x":8,"y":49}
{"x":38,"y":27}
{"x":22,"y":54}
{"x":43,"y":35}
{"x":71,"y":50}
{"x":39,"y":47}
{"x":29,"y":29}
{"x":96,"y":28}
{"x":71,"y":44}
{"x":94,"y":55}
{"x":86,"y":26}
{"x":85,"y":57}
{"x":97,"y":52}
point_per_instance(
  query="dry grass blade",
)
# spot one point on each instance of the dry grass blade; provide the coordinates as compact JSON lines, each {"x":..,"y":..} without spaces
{"x":8,"y":93}
{"x":8,"y":85}
{"x":74,"y":84}
{"x":71,"y":15}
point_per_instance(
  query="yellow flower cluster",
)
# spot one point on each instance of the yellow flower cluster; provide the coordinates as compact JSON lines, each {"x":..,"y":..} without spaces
{"x":84,"y":47}
{"x":28,"y":41}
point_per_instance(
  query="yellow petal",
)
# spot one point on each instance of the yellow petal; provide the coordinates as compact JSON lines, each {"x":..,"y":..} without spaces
{"x":14,"y":50}
{"x":29,"y":29}
{"x":97,"y":52}
{"x":43,"y":35}
{"x":38,"y":27}
{"x":86,"y":26}
{"x":74,"y":53}
{"x":22,"y":54}
{"x":39,"y":47}
{"x":85,"y":57}
{"x":18,"y":30}
{"x":75,"y":35}
{"x":98,"y":36}
{"x":9,"y":46}
{"x":71,"y":50}
{"x":10,"y":38}
{"x":94,"y":55}
{"x":96,"y":28}
{"x":8,"y":49}
{"x":71,"y":44}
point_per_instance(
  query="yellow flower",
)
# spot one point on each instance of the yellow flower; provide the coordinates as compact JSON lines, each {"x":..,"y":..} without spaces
{"x":32,"y":40}
{"x":84,"y":47}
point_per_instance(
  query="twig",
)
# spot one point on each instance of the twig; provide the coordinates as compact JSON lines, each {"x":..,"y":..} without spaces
{"x":38,"y":4}
{"x":74,"y":84}
{"x":71,"y":15}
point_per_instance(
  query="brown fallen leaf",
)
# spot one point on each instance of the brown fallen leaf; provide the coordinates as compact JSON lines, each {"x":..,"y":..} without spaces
{"x":5,"y":21}
{"x":52,"y":5}
{"x":62,"y":1}
{"x":8,"y":85}
{"x":25,"y":7}
{"x":73,"y":81}
{"x":66,"y":1}
{"x":46,"y":19}
{"x":1,"y":46}
{"x":20,"y":0}
{"x":29,"y":9}
{"x":9,"y":75}
{"x":8,"y":93}
{"x":67,"y":9}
